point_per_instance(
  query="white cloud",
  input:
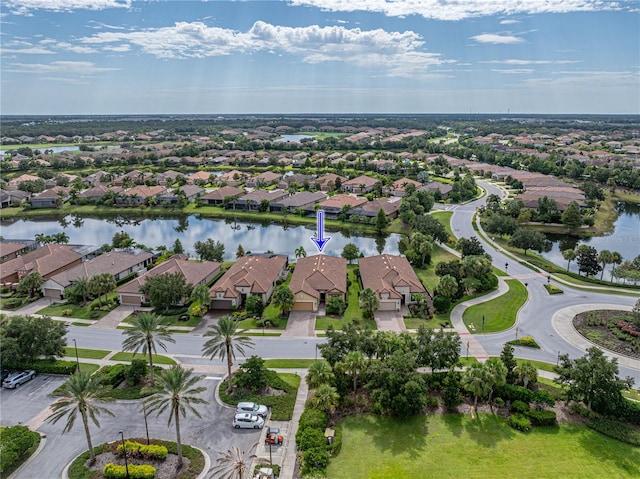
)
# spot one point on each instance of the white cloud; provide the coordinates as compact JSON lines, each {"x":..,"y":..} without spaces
{"x":509,"y":22}
{"x":531,"y":62}
{"x":497,"y":39}
{"x":396,"y":52}
{"x":27,"y":51}
{"x":73,"y":68}
{"x":514,"y":71}
{"x":461,"y":9}
{"x":24,"y":7}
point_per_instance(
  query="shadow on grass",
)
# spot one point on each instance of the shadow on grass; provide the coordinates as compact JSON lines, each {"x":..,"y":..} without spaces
{"x":620,"y":458}
{"x":396,"y":435}
{"x":454,"y":422}
{"x":487,"y":430}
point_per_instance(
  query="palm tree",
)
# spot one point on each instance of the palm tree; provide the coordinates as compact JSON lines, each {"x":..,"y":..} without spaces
{"x":300,"y":252}
{"x":178,"y":394}
{"x":225,"y":341}
{"x":569,"y":255}
{"x":474,"y":380}
{"x":616,"y":258}
{"x":447,"y":286}
{"x":354,"y":363}
{"x":496,"y":375}
{"x":234,"y":463}
{"x":80,"y":391}
{"x":526,"y":373}
{"x":81,"y":288}
{"x":325,"y":398}
{"x":605,"y":257}
{"x":60,"y":238}
{"x":31,"y":283}
{"x":100,"y":284}
{"x":283,"y":298}
{"x":369,"y":303}
{"x":319,"y":373}
{"x":202,"y":295}
{"x":147,"y":330}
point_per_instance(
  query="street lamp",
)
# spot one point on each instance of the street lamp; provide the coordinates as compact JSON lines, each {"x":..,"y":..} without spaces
{"x":483,"y":323}
{"x":516,"y":333}
{"x":506,"y":266}
{"x":124,"y":453}
{"x":548,"y":279}
{"x":467,"y":349}
{"x":75,"y":345}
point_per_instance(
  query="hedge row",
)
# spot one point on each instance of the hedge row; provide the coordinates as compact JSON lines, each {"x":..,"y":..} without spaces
{"x":616,"y":430}
{"x":15,"y":444}
{"x":512,"y":393}
{"x":115,"y":471}
{"x":52,"y":366}
{"x":144,"y":451}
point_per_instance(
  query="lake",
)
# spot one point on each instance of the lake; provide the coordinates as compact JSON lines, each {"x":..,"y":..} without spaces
{"x":292,"y":138}
{"x":625,"y":239}
{"x":54,"y":149}
{"x":155,"y":232}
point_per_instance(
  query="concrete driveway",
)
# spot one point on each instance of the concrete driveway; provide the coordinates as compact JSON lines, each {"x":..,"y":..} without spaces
{"x":390,"y":321}
{"x":300,"y":324}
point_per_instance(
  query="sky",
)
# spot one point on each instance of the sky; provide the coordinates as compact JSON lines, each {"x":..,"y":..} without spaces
{"x":91,"y":57}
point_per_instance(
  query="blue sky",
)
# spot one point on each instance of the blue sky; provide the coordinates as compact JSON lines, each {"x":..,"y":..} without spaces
{"x":319,"y":56}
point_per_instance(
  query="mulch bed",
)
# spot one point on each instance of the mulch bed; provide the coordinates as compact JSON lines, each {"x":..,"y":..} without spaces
{"x":607,"y":338}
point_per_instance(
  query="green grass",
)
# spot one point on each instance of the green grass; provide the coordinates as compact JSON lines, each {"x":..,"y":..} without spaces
{"x":288,"y":363}
{"x":89,"y":368}
{"x":454,"y":446}
{"x":444,"y":217}
{"x":78,"y":312}
{"x":86,"y":353}
{"x":157,"y":358}
{"x":538,"y":364}
{"x":499,"y":313}
{"x":78,"y":323}
{"x":467,"y":361}
{"x":427,"y":275}
{"x":552,"y":289}
{"x":436,"y":322}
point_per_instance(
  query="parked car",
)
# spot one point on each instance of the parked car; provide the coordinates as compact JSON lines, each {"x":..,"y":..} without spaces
{"x":253,"y":408}
{"x":16,"y":379}
{"x":247,"y":420}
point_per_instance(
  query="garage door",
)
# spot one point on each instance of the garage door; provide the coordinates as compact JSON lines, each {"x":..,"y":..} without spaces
{"x":131,"y":299}
{"x":387,"y":306}
{"x":303,"y":306}
{"x":221,"y":304}
{"x":52,"y":293}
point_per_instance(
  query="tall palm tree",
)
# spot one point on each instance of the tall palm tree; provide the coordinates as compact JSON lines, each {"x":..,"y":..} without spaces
{"x":526,"y":373}
{"x":474,"y":380}
{"x":325,"y":397}
{"x":496,"y":376}
{"x":202,"y":295}
{"x":147,"y":331}
{"x":81,"y":288}
{"x":369,"y":303}
{"x":605,"y":257}
{"x":300,"y":252}
{"x":178,"y":394}
{"x":225,"y":342}
{"x":616,"y":258}
{"x":319,"y":373}
{"x":283,"y":298}
{"x":100,"y":284}
{"x":569,"y":255}
{"x":80,"y":392}
{"x":234,"y":464}
{"x":354,"y":363}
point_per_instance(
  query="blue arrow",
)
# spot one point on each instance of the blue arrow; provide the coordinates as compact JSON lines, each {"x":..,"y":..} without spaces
{"x":321,"y":240}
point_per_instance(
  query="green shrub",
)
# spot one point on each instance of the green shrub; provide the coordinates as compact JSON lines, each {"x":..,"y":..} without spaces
{"x":310,"y":438}
{"x":528,"y":341}
{"x":115,"y":471}
{"x":134,"y":373}
{"x":12,"y":303}
{"x":15,"y":442}
{"x":113,"y":375}
{"x":316,"y":459}
{"x":432,"y":402}
{"x":543,"y":417}
{"x":578,"y":409}
{"x":512,"y":393}
{"x":542,"y":397}
{"x":499,"y":402}
{"x":52,"y":366}
{"x":138,"y":450}
{"x":67,"y":312}
{"x":313,"y":418}
{"x":616,"y":430}
{"x":519,"y":407}
{"x":519,"y":422}
{"x":441,"y":304}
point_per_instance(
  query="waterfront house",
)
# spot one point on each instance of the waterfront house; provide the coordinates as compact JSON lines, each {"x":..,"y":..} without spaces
{"x":316,"y":279}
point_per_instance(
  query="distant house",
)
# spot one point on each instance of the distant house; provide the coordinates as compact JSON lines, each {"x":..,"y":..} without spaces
{"x":190,"y":192}
{"x":316,"y":279}
{"x":10,"y":250}
{"x":51,"y":198}
{"x":443,"y":188}
{"x":297,"y":179}
{"x":328,"y":182}
{"x":302,"y":200}
{"x":47,"y":260}
{"x":195,"y":273}
{"x":12,"y":197}
{"x":139,"y":194}
{"x":392,"y":279}
{"x":252,"y":201}
{"x":217,"y":197}
{"x":334,"y":205}
{"x":398,"y":187}
{"x":250,"y":275}
{"x":232,"y":178}
{"x":117,"y":263}
{"x":266,"y":178}
{"x":359,"y":184}
{"x":199,"y":176}
{"x":371,"y":208}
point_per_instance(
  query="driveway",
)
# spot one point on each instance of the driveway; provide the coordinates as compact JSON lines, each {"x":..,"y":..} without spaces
{"x":390,"y":321}
{"x":300,"y":324}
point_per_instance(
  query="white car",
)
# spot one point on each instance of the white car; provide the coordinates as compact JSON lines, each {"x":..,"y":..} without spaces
{"x":16,"y":379}
{"x":252,"y":408}
{"x":247,"y":420}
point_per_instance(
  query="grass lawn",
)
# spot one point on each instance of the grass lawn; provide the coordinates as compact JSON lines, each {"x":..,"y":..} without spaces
{"x":499,"y":313}
{"x":537,"y":364}
{"x":78,"y":312}
{"x":455,"y":446}
{"x":427,"y":275}
{"x":89,"y":368}
{"x":288,"y":363}
{"x":157,"y":358}
{"x":437,"y":322}
{"x":86,"y":353}
{"x":444,"y":217}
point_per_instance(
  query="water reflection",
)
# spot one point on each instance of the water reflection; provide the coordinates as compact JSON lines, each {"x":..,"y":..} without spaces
{"x":256,"y":237}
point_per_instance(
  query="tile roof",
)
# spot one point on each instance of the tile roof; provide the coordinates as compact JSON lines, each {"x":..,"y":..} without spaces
{"x":224,"y":192}
{"x":338,"y":201}
{"x":45,"y":260}
{"x":319,"y":273}
{"x":257,"y":272}
{"x":385,"y":272}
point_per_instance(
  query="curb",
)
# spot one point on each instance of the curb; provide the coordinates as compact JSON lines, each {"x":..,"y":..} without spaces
{"x":43,"y":442}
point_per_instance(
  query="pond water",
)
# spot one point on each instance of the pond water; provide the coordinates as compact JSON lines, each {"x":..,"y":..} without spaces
{"x":54,"y":149}
{"x":257,"y":238}
{"x":625,"y":239}
{"x":292,"y":138}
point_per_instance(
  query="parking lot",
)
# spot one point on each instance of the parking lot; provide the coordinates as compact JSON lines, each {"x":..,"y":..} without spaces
{"x":25,"y":402}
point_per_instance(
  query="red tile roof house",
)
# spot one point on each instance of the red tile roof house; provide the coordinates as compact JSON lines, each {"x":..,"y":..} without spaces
{"x":217,"y":197}
{"x":201,"y":176}
{"x":359,"y":184}
{"x":305,"y":200}
{"x":390,"y":208}
{"x":398,"y":187}
{"x":47,"y":260}
{"x":170,"y":197}
{"x":265,"y":178}
{"x":316,"y":279}
{"x":10,"y":250}
{"x":250,"y":275}
{"x":392,"y":279}
{"x":328,"y":181}
{"x":252,"y":201}
{"x":232,"y":178}
{"x":195,"y":273}
{"x":117,"y":263}
{"x":139,"y":194}
{"x":334,"y":205}
{"x":51,"y":198}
